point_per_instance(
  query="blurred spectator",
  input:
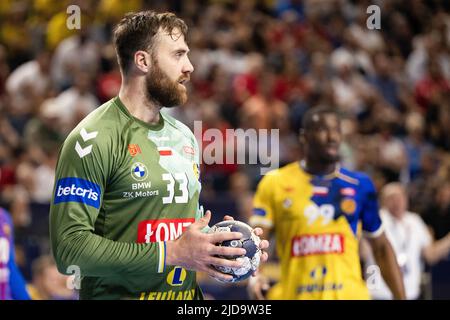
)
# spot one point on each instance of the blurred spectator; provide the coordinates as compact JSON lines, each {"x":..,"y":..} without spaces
{"x":44,"y":131}
{"x":384,"y":81}
{"x":247,"y":84}
{"x":370,"y":42}
{"x":391,"y":153}
{"x":4,"y":70}
{"x":410,"y":239}
{"x":422,"y":189}
{"x":430,"y":88}
{"x":350,"y":143}
{"x":75,"y":103}
{"x":349,"y":87}
{"x":415,"y":144}
{"x":13,"y":32}
{"x":108,"y":82}
{"x":48,"y":283}
{"x":259,"y":108}
{"x":429,"y":47}
{"x":29,"y":84}
{"x":216,"y":151}
{"x":241,"y":193}
{"x":399,"y":34}
{"x":437,"y":215}
{"x":56,"y":28}
{"x":78,"y":53}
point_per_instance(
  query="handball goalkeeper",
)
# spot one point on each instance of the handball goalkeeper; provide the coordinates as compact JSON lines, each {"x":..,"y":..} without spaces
{"x":126,"y":209}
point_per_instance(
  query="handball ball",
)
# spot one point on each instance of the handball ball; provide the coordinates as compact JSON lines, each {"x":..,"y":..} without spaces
{"x":249,"y":241}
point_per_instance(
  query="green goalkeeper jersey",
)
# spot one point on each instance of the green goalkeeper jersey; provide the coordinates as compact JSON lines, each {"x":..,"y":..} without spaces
{"x":123,"y":188}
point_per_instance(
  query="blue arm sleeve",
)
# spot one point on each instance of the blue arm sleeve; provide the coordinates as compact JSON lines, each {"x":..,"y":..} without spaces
{"x":16,"y":282}
{"x":371,"y":221}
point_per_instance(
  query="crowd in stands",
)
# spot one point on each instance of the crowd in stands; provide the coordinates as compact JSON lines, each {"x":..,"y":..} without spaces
{"x":258,"y":65}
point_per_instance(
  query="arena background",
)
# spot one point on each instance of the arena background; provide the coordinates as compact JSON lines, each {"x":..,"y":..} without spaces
{"x":258,"y":64}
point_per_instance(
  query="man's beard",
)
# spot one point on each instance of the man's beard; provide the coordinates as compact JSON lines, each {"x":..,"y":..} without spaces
{"x":326,"y":158}
{"x":162,"y":90}
{"x":317,"y":155}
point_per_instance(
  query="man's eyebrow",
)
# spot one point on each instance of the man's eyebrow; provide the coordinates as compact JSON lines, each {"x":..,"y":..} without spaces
{"x":181,"y":50}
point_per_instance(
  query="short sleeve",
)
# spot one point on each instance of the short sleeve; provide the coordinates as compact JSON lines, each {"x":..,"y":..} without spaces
{"x":422,"y":233}
{"x":372,"y":225}
{"x":263,"y":203}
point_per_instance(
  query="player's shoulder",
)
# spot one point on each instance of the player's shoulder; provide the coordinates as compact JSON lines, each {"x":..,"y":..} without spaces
{"x":356,"y":178}
{"x":178,"y":125}
{"x":414,"y":218}
{"x":287,"y":169}
{"x":98,"y":126}
{"x":281,"y":174}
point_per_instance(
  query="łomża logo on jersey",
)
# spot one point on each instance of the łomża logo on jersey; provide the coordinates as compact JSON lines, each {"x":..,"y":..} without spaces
{"x":162,"y":229}
{"x":77,"y":190}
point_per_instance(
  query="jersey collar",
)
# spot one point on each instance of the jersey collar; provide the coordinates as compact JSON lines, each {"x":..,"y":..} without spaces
{"x":153,"y":127}
{"x":328,"y":176}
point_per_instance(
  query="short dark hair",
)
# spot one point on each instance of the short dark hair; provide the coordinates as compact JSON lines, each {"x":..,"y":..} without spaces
{"x":307,"y":120}
{"x":137,"y":30}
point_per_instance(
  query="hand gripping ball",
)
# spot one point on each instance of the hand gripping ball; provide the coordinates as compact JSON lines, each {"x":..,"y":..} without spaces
{"x":250,"y":242}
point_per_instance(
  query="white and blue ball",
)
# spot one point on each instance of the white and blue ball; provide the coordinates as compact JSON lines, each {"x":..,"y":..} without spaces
{"x":249,"y":241}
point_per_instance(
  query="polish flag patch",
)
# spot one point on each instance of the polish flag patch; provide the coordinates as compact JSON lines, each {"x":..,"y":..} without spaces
{"x":320,"y":191}
{"x":165,"y":151}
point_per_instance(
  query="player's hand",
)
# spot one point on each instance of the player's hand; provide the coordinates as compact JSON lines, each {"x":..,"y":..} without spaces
{"x":195,"y":250}
{"x":257,"y":286}
{"x":264,"y":244}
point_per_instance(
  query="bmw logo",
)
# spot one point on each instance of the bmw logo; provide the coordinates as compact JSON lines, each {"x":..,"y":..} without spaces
{"x":139,"y":171}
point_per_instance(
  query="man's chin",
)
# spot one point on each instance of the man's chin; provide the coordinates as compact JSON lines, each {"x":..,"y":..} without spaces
{"x":183,"y":98}
{"x":178,"y":100}
{"x":332,"y":158}
{"x":179,"y":103}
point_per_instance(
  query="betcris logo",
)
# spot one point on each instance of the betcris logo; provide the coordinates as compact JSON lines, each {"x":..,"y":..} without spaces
{"x":77,"y":190}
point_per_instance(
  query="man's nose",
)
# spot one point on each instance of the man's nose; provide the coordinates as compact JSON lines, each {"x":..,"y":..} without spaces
{"x":334,"y":136}
{"x":188,"y":67}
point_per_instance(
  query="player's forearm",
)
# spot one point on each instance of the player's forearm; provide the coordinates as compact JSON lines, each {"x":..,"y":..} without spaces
{"x":386,"y":260}
{"x":98,"y":256}
{"x":437,"y":251}
{"x":172,"y":258}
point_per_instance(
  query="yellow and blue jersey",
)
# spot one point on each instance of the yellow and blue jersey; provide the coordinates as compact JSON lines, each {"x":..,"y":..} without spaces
{"x":317,"y":221}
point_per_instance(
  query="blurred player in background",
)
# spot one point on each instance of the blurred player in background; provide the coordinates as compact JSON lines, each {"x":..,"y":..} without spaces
{"x":314,"y":207}
{"x":410,"y":239}
{"x":12,"y":284}
{"x":126,"y":199}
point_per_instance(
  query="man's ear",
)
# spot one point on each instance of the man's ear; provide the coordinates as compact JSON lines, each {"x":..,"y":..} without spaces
{"x":142,"y":61}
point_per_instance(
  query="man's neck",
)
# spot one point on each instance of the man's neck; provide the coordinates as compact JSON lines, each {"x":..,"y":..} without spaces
{"x":318,"y":168}
{"x":134,"y":99}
